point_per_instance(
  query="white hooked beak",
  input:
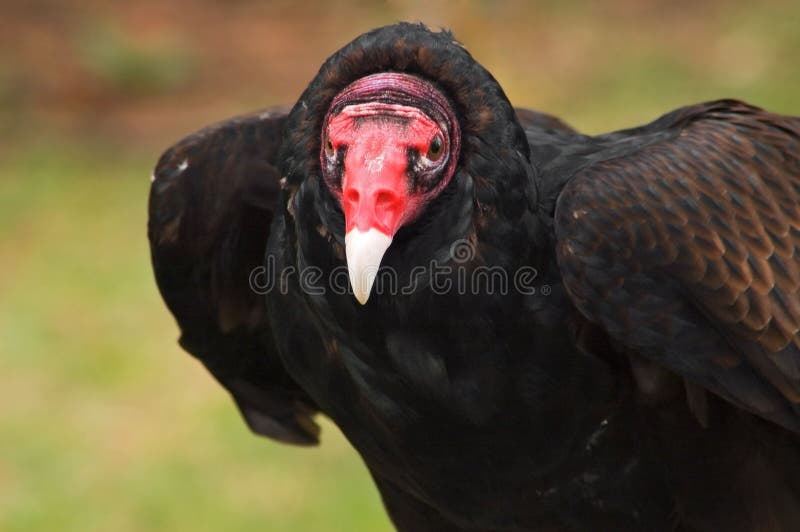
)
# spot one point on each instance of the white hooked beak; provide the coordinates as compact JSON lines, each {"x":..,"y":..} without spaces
{"x":364,"y":252}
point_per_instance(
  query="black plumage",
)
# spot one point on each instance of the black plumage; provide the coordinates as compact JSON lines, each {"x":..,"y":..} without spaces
{"x":649,"y":377}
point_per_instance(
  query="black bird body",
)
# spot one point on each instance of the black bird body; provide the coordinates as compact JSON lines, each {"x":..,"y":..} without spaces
{"x":578,"y":401}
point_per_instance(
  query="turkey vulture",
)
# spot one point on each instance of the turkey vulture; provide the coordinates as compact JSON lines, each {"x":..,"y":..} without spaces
{"x":517,"y":326}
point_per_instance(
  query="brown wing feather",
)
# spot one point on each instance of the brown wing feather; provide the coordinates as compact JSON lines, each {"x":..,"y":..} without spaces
{"x":211,"y":206}
{"x":689,"y":250}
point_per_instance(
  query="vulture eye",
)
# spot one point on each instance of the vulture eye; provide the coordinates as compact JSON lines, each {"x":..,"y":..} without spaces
{"x":436,"y":149}
{"x":328,"y":146}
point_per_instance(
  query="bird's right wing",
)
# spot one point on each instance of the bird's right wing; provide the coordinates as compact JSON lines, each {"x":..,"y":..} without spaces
{"x":211,"y":207}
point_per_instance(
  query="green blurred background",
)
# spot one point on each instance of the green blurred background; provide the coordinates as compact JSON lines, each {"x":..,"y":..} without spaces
{"x":104,"y":423}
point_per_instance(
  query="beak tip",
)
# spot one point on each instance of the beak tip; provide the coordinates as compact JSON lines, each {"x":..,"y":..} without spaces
{"x":362,"y":288}
{"x":362,"y":297}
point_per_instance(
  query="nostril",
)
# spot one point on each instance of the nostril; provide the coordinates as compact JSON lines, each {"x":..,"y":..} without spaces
{"x":351,"y":195}
{"x":387,"y":204}
{"x":385,"y":199}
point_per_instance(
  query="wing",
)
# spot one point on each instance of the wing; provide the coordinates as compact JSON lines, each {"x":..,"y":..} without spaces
{"x":684,"y":243}
{"x":211,"y":206}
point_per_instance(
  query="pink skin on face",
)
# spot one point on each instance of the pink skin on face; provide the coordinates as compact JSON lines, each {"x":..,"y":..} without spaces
{"x":375,"y":188}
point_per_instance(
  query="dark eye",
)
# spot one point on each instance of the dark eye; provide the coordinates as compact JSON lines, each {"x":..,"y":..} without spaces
{"x":328,"y":146}
{"x":435,"y":149}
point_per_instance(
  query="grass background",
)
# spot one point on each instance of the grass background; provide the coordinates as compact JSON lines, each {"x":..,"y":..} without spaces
{"x":105,"y":424}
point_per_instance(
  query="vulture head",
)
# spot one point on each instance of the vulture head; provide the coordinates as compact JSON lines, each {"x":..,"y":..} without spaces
{"x":402,"y":129}
{"x":390,"y":143}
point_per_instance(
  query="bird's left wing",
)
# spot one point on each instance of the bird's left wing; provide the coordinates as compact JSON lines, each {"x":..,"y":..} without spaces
{"x":211,"y":206}
{"x":684,"y":244}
